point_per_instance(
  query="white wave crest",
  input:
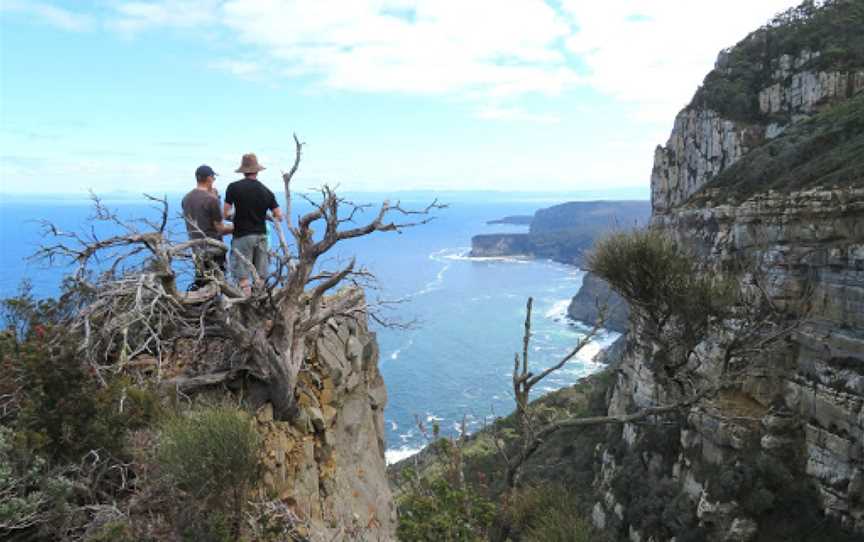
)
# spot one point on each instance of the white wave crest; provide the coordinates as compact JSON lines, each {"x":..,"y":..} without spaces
{"x":558,"y":310}
{"x":394,"y":456}
{"x":438,"y":281}
{"x":590,"y":350}
{"x":395,"y":354}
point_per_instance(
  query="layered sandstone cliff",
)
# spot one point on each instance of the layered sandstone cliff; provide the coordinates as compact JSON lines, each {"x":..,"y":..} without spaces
{"x":805,"y":410}
{"x":329,"y":465}
{"x":703,"y":142}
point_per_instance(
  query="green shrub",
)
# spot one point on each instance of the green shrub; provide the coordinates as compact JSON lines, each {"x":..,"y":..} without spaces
{"x":28,"y":317}
{"x":33,"y":494}
{"x":777,"y":495}
{"x":113,"y":531}
{"x":211,"y":456}
{"x":436,"y":511}
{"x":65,"y":413}
{"x":212,"y":526}
{"x":545,"y":512}
{"x":827,"y":150}
{"x":559,"y":525}
{"x":661,"y":280}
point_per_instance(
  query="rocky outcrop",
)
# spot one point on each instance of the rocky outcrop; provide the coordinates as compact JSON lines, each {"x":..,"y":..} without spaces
{"x":810,"y":412}
{"x":797,"y":92}
{"x":593,"y":295}
{"x":563,"y":233}
{"x":807,"y":410}
{"x":497,"y":245}
{"x":703,"y":143}
{"x":329,"y":465}
{"x":596,"y":216}
{"x":807,"y":241}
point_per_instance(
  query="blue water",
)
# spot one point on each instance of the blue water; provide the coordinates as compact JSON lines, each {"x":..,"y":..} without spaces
{"x":455,"y":363}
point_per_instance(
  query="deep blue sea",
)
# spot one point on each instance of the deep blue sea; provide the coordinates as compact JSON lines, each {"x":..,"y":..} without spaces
{"x":455,"y":362}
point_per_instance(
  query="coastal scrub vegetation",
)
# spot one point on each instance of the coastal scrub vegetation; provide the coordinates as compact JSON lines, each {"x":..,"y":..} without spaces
{"x":106,"y":425}
{"x":553,"y":499}
{"x":830,"y":27}
{"x":437,"y":509}
{"x":212,"y":457}
{"x":64,"y":457}
{"x":784,"y":503}
{"x":677,"y":304}
{"x":826,"y":150}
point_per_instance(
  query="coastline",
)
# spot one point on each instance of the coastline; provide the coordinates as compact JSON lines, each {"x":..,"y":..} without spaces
{"x":599,"y":359}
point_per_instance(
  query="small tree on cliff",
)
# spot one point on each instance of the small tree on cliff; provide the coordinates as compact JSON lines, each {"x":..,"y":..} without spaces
{"x":679,"y":302}
{"x":677,"y":305}
{"x":135,"y":306}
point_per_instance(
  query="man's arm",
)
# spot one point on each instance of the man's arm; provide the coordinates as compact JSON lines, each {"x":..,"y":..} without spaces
{"x":222,"y":227}
{"x":228,"y":206}
{"x":216,"y":217}
{"x":274,"y":207}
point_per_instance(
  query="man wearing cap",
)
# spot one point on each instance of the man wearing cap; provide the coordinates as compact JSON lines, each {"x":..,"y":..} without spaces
{"x":250,"y":200}
{"x":204,"y":219}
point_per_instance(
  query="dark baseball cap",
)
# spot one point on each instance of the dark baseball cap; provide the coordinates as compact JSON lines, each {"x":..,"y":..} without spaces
{"x":204,"y":171}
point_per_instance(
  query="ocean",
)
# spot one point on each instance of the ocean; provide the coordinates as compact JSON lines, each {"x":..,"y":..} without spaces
{"x":454,"y":362}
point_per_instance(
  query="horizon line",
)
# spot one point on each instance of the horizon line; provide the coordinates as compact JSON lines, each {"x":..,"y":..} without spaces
{"x":362,"y":191}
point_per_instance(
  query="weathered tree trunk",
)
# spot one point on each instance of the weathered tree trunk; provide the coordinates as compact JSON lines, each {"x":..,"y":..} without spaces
{"x":281,"y":390}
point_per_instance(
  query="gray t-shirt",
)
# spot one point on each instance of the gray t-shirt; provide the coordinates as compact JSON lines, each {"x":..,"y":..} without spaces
{"x":201,"y":209}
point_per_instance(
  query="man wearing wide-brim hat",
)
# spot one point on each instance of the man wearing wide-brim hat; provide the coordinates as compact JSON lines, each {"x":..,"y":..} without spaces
{"x":249,"y":200}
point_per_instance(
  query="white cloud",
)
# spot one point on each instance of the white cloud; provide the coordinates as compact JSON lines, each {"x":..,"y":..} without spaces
{"x":57,"y":17}
{"x":134,"y":17}
{"x":495,"y":112}
{"x":648,"y":54}
{"x":446,"y":46}
{"x":477,"y":49}
{"x":654,"y":54}
{"x":240,"y":68}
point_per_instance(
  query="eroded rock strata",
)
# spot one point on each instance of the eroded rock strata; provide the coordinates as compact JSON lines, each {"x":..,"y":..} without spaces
{"x":329,"y":464}
{"x":806,"y":238}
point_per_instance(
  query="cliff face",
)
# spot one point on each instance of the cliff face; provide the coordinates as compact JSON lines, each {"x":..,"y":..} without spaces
{"x":812,"y":239}
{"x":703,"y":143}
{"x":594,"y":216}
{"x":496,"y":245}
{"x":329,"y":466}
{"x":594,"y":292}
{"x":806,"y":411}
{"x":562,"y":233}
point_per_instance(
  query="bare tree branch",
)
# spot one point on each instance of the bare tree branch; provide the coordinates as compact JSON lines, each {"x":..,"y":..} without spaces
{"x":138,"y":309}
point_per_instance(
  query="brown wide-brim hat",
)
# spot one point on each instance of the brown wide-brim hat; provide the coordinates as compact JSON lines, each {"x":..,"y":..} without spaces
{"x":249,"y":164}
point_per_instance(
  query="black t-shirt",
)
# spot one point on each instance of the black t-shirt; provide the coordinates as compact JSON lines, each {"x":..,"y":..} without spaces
{"x":201,"y":211}
{"x":251,"y":201}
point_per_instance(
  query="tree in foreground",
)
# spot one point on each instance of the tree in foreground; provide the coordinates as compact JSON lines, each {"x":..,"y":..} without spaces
{"x":136,"y":307}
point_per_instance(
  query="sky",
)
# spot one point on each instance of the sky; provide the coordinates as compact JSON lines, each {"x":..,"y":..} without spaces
{"x":388,"y":95}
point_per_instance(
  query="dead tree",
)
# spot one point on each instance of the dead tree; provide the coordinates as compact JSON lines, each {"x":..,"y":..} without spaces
{"x":676,"y":307}
{"x":532,"y":430}
{"x":136,"y":306}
